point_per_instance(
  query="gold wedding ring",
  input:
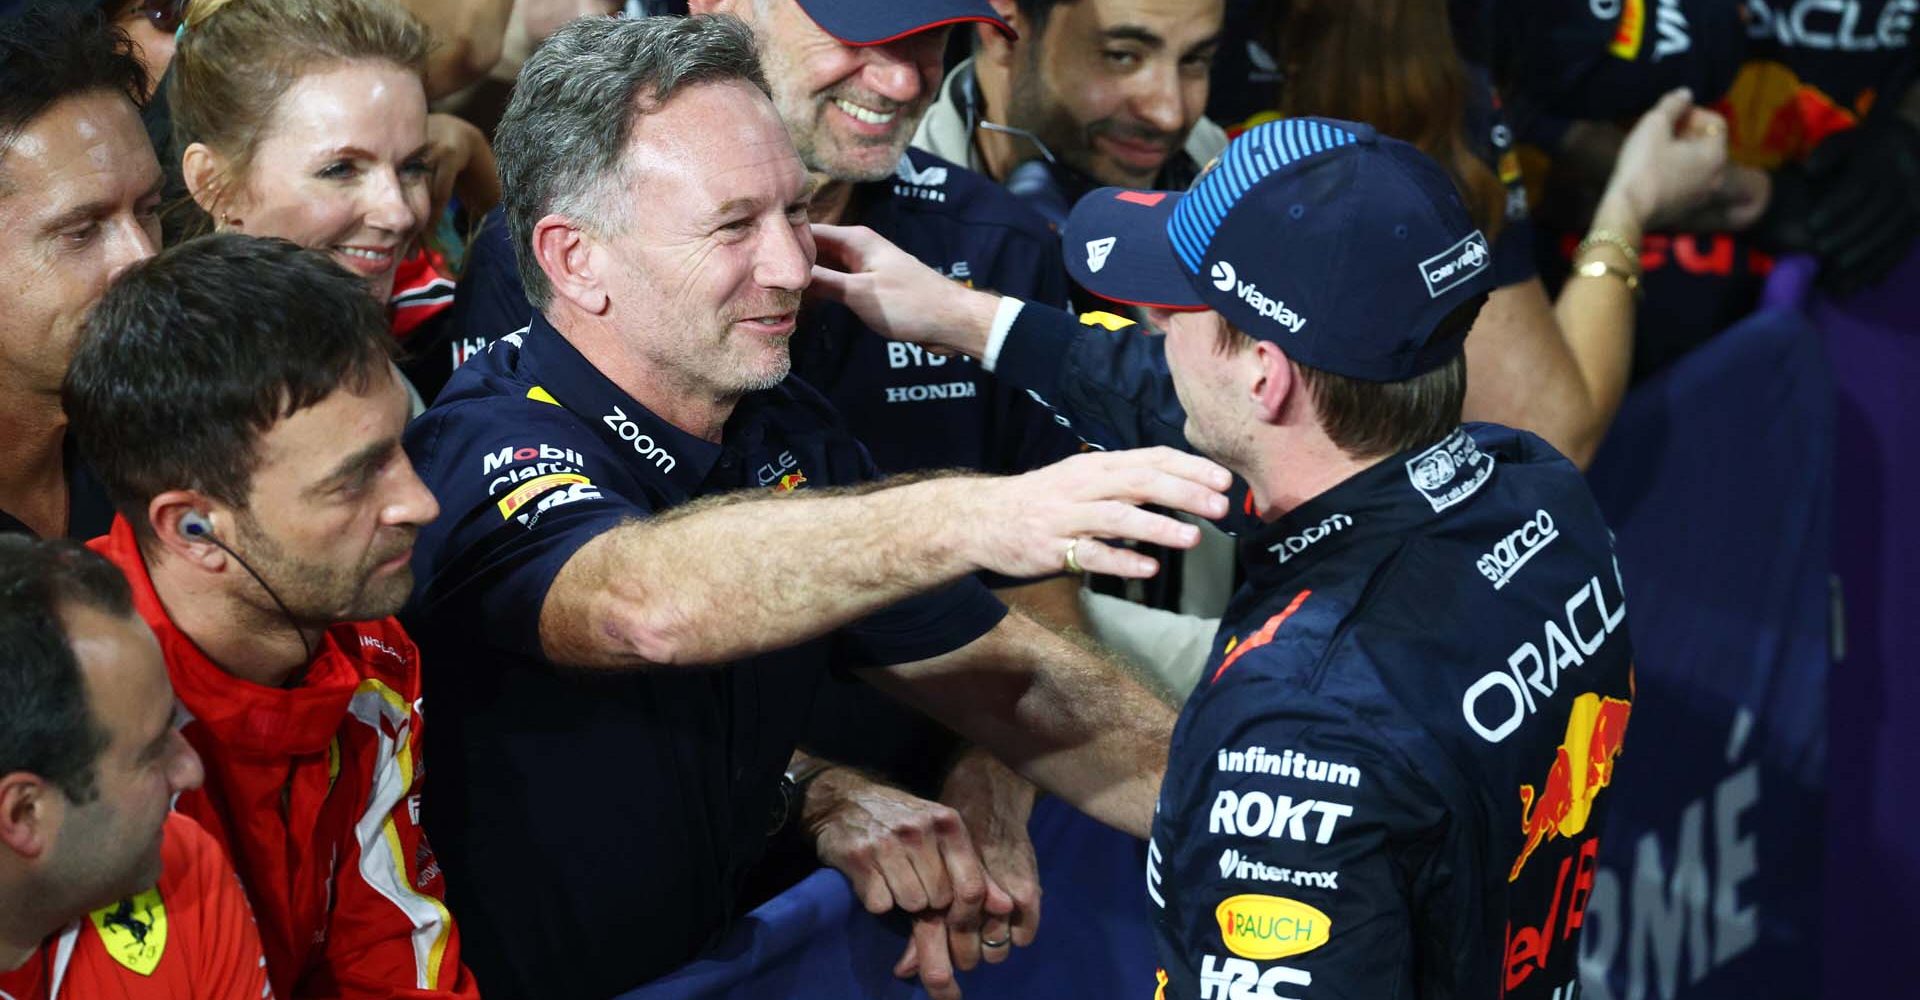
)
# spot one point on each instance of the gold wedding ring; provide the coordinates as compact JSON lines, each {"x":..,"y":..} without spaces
{"x":1073,"y":561}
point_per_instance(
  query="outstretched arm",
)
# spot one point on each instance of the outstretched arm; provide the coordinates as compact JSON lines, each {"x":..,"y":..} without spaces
{"x":720,"y":579}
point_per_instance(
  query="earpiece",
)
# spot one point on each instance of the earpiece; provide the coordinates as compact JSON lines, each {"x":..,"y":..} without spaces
{"x":195,"y":524}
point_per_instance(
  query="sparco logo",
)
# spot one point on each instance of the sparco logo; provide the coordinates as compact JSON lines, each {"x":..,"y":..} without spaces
{"x":1512,"y":552}
{"x":1227,"y":280}
{"x":1293,"y":545}
{"x":1451,"y":267}
{"x":643,"y":444}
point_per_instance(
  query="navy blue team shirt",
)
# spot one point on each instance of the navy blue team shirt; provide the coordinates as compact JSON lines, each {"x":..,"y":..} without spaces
{"x":597,"y":824}
{"x":913,"y":410}
{"x":1390,"y":779}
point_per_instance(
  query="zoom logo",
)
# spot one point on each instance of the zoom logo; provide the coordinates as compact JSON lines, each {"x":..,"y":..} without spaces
{"x":1223,"y":276}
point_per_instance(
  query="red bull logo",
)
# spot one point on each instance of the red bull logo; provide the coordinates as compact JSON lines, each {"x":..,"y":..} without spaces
{"x":1582,"y":766}
{"x":1631,"y":30}
{"x":1774,"y":118}
{"x":790,"y":482}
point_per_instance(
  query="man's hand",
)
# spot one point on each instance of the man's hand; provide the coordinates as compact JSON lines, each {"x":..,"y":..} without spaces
{"x":462,"y":163}
{"x":995,"y":803}
{"x":1673,"y":162}
{"x":1050,"y":519}
{"x":902,"y":851}
{"x":895,"y":295}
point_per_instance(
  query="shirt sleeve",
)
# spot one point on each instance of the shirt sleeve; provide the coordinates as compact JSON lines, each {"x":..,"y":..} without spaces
{"x":390,"y":934}
{"x":1580,"y":64}
{"x":1307,"y":834}
{"x":522,"y":485}
{"x":1103,"y":373}
{"x":228,"y":962}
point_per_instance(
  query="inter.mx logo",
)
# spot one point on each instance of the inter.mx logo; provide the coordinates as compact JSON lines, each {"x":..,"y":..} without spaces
{"x":1227,"y":280}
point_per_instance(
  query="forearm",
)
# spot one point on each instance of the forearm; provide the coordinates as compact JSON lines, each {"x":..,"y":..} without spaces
{"x":989,"y":795}
{"x":1068,"y":718}
{"x":1596,"y":315}
{"x":1111,"y":382}
{"x":720,"y":579}
{"x":1054,"y":602}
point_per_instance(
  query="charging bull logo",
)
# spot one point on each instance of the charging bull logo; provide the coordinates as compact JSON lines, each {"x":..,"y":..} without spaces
{"x":1774,"y":118}
{"x":1582,"y":766}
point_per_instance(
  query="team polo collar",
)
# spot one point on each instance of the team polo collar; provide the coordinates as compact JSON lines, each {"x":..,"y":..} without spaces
{"x":564,"y":378}
{"x":1387,"y":498}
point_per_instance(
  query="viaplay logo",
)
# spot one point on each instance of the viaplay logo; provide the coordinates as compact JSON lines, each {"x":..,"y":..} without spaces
{"x":1227,"y":280}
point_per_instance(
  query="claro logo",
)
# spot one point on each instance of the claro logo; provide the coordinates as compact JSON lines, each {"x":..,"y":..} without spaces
{"x":642,"y":443}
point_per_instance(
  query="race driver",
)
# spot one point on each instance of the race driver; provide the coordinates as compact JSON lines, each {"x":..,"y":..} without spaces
{"x":629,"y":656}
{"x":1391,"y":777}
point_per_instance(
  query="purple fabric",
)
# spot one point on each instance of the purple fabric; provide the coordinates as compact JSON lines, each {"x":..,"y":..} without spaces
{"x":1873,"y":855}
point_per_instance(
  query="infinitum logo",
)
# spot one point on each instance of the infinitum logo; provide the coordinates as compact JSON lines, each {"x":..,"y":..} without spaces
{"x":1227,"y":280}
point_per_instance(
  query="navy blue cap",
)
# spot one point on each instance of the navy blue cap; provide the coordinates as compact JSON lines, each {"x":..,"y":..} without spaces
{"x":876,"y":22}
{"x":1343,"y":246}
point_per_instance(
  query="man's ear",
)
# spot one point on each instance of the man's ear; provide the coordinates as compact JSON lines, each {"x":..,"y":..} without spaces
{"x":167,"y":513}
{"x":30,"y":812}
{"x":1275,"y":380}
{"x":566,"y":255}
{"x":205,"y":173}
{"x":994,"y":46}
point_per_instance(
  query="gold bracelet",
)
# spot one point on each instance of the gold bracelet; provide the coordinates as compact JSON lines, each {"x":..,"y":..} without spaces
{"x":1600,"y":269}
{"x":1608,"y":237}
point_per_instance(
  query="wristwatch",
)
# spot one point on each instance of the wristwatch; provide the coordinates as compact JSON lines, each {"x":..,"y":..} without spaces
{"x":792,"y":794}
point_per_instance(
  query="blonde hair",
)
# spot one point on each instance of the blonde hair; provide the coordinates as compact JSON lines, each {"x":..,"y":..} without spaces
{"x":236,"y":59}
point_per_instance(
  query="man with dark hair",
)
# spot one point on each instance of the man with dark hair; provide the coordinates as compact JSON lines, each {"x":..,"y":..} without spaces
{"x":1088,"y":92}
{"x":103,"y":892}
{"x":79,"y":201}
{"x":595,"y":600}
{"x":1390,"y":778}
{"x":267,"y":515}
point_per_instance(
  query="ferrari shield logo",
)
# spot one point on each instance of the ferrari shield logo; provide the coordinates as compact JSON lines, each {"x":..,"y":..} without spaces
{"x":134,"y":931}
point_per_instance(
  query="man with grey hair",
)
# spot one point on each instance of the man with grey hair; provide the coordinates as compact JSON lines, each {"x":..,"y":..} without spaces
{"x":624,"y":658}
{"x":851,"y":81}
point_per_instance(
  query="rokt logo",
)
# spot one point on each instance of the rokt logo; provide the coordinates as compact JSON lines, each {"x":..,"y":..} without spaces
{"x":1223,"y":276}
